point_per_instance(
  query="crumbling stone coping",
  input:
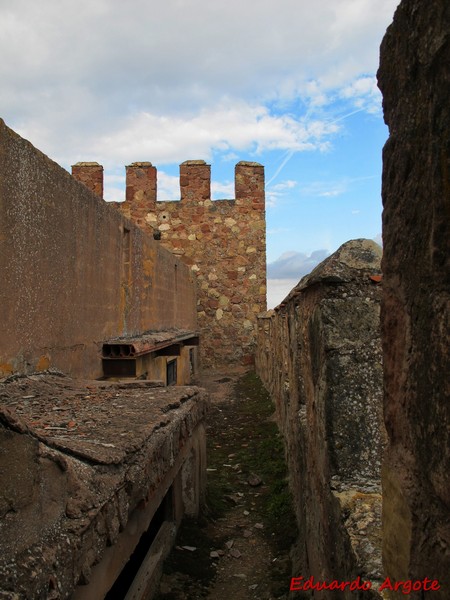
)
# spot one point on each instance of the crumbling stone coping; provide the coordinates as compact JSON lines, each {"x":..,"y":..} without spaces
{"x":76,"y":459}
{"x":103,"y":423}
{"x":359,"y":504}
{"x":151,"y":341}
{"x":347,"y":264}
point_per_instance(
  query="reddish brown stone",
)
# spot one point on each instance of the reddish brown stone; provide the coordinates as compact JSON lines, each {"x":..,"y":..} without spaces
{"x":91,"y":175}
{"x":215,"y":248}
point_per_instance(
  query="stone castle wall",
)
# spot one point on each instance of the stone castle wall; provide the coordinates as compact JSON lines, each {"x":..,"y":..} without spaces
{"x":87,"y":467}
{"x":319,"y":355}
{"x":222,"y":241}
{"x":75,"y":272}
{"x":415,"y":82}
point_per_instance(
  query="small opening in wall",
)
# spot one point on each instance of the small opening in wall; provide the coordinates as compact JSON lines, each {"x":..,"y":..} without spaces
{"x":171,"y":372}
{"x":130,"y":570}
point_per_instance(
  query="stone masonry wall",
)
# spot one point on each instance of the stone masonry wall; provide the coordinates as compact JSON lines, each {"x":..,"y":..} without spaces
{"x":222,"y":241}
{"x":414,"y":78}
{"x":319,"y":355}
{"x":75,"y":272}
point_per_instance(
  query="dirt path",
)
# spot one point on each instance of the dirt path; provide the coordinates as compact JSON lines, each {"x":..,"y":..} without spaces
{"x":239,"y":548}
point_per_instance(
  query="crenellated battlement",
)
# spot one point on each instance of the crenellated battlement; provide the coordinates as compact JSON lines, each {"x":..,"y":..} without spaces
{"x":195,"y":182}
{"x":91,"y":174}
{"x":222,"y":241}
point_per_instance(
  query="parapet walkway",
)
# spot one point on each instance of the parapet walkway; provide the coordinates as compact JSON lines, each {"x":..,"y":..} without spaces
{"x":240,"y":548}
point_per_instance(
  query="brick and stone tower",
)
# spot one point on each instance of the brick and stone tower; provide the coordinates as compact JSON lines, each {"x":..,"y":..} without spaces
{"x":223,"y":242}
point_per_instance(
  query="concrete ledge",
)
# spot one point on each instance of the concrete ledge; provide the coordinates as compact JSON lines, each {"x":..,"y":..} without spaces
{"x":87,"y":466}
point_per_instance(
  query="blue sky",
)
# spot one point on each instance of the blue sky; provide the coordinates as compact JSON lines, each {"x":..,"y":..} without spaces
{"x":287,"y":84}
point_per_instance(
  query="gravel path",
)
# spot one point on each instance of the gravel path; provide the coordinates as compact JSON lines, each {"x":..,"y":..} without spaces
{"x":239,"y":548}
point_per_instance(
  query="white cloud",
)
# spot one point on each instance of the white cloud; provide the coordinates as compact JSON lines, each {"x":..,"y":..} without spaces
{"x":231,"y":156}
{"x":120,"y":80}
{"x":378,"y":239}
{"x":114,"y":187}
{"x":278,"y":289}
{"x":117,"y":82}
{"x":237,"y":125}
{"x":224,"y":191}
{"x":277,"y":191}
{"x":331,"y":193}
{"x":285,"y":185}
{"x":295,"y":265}
{"x":364,"y":93}
{"x":285,"y":273}
{"x":168,"y":186}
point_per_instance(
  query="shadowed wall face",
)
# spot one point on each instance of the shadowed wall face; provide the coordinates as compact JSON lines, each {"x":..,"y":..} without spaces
{"x":415,"y":82}
{"x":319,"y":355}
{"x":74,"y":271}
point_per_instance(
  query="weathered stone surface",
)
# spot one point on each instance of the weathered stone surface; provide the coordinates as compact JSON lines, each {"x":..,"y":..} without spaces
{"x":78,"y":462}
{"x":319,"y":354}
{"x":414,"y":78}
